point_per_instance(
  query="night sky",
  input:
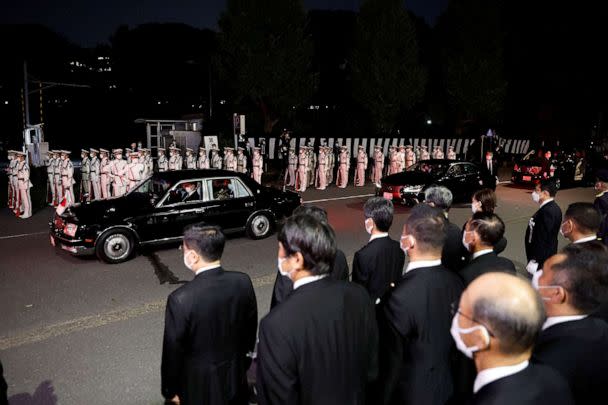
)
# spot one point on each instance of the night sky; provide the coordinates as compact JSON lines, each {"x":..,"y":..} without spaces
{"x":88,"y":22}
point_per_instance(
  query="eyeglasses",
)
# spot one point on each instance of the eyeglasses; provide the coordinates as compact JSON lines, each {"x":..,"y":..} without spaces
{"x":454,"y":309}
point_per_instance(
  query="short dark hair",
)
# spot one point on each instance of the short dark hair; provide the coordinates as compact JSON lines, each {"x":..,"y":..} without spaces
{"x":381,"y":211}
{"x":487,"y":198}
{"x":313,"y":238}
{"x":440,"y":196}
{"x":584,"y":274}
{"x":317,"y":212}
{"x":429,"y":226}
{"x":585,"y":215}
{"x":489,"y":227}
{"x":207,"y":241}
{"x":550,"y":186}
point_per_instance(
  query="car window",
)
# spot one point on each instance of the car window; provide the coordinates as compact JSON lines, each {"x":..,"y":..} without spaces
{"x":241,"y":189}
{"x":221,"y":189}
{"x":186,"y":192}
{"x":455,"y":170}
{"x":469,"y":168}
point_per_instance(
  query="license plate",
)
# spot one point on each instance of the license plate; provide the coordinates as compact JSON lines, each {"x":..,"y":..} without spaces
{"x":388,"y":196}
{"x":527,"y":178}
{"x":68,"y":248}
{"x":52,"y":241}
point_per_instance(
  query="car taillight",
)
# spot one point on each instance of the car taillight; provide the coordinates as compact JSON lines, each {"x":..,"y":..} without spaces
{"x":58,"y":222}
{"x":70,"y":229}
{"x":516,"y":168}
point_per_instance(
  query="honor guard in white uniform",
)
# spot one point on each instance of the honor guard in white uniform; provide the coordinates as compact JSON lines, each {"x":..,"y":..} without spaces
{"x":438,"y":153}
{"x":344,"y":162}
{"x":225,"y":157}
{"x":105,"y":173}
{"x":203,"y":160}
{"x":95,"y":181}
{"x":331,"y":164}
{"x":190,"y":159}
{"x":13,"y":182}
{"x":321,"y":173}
{"x":163,"y":162}
{"x":67,"y":177}
{"x":241,"y":161}
{"x":410,"y":156}
{"x":128,"y":152}
{"x":378,"y":164}
{"x":292,"y":165}
{"x":119,"y":174}
{"x":393,"y":155}
{"x":175,"y":159}
{"x":301,"y":177}
{"x":451,"y":153}
{"x":401,"y":158}
{"x":57,"y":177}
{"x":361,"y":167}
{"x":146,"y":160}
{"x":257,"y":161}
{"x":424,"y":153}
{"x":24,"y":184}
{"x":312,"y":163}
{"x":179,"y":160}
{"x":216,"y":159}
{"x":85,"y":170}
{"x":230,"y":159}
{"x":51,"y":197}
{"x":135,"y":171}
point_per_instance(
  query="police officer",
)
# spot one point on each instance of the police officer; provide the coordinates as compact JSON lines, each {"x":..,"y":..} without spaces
{"x":291,"y":168}
{"x":190,"y":159}
{"x":451,"y":153}
{"x":361,"y":167}
{"x":424,"y":153}
{"x":321,"y":173}
{"x":378,"y":164}
{"x":216,"y":159}
{"x":135,"y":171}
{"x":57,"y":177}
{"x":331,"y":165}
{"x":312,"y":164}
{"x":119,"y":173}
{"x":241,"y":161}
{"x":301,"y":179}
{"x":85,"y":170}
{"x":344,"y":161}
{"x":24,"y":185}
{"x":438,"y":153}
{"x":230,"y":159}
{"x":14,"y":183}
{"x":105,"y":173}
{"x":401,"y":158}
{"x":50,"y":173}
{"x":258,"y":165}
{"x":147,"y":162}
{"x":410,"y":156}
{"x":94,"y":168}
{"x":163,"y":163}
{"x":128,"y":152}
{"x":393,"y":161}
{"x":203,"y":160}
{"x":67,"y":176}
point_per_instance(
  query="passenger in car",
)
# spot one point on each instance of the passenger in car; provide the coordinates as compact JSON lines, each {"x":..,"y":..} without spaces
{"x":191,"y":192}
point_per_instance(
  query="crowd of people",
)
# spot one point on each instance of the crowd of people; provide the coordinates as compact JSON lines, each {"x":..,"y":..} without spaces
{"x":457,"y":325}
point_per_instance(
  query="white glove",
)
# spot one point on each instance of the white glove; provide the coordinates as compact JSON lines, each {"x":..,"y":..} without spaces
{"x":532,"y":266}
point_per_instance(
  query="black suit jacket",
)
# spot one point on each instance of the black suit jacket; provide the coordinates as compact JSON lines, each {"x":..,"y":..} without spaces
{"x":210,"y":326}
{"x":377,"y":265}
{"x":536,"y":384}
{"x":283,"y":286}
{"x":601,"y":203}
{"x":578,"y":350}
{"x":488,"y":177}
{"x":486,"y":263}
{"x":3,"y":387}
{"x":454,"y":255}
{"x":318,"y":347}
{"x":192,"y":197}
{"x":416,"y":349}
{"x":541,"y":233}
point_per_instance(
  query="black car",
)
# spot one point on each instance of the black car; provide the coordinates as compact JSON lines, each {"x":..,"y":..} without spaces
{"x":461,"y":178}
{"x":568,"y":169}
{"x":159,"y":208}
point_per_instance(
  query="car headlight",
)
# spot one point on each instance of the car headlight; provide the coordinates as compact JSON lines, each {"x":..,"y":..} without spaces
{"x":70,"y":229}
{"x":412,"y":189}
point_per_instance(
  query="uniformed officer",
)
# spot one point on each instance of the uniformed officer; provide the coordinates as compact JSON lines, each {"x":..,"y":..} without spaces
{"x":344,"y":162}
{"x":57,"y":178}
{"x":135,"y":171}
{"x":258,"y":165}
{"x":105,"y":173}
{"x":329,"y":157}
{"x":424,"y":153}
{"x":292,"y":164}
{"x":179,"y":160}
{"x":119,"y":173}
{"x":190,"y":159}
{"x":410,"y":156}
{"x":230,"y":159}
{"x":241,"y":160}
{"x":85,"y":170}
{"x":128,"y":152}
{"x":67,"y":176}
{"x":378,"y":164}
{"x":438,"y":153}
{"x":301,"y":178}
{"x":361,"y":167}
{"x":14,"y":183}
{"x":203,"y":160}
{"x":393,"y":156}
{"x":321,"y":173}
{"x":94,"y":166}
{"x":216,"y":159}
{"x":402,"y":153}
{"x":312,"y":163}
{"x":24,"y":185}
{"x":50,"y":173}
{"x":175,"y":160}
{"x":146,"y":160}
{"x":163,"y":162}
{"x":451,"y":153}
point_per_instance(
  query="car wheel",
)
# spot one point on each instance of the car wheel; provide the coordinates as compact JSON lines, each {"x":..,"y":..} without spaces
{"x":259,"y":226}
{"x":115,"y":246}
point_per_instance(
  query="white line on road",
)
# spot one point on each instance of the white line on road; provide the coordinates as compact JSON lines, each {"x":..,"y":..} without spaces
{"x":22,"y":235}
{"x":339,"y":198}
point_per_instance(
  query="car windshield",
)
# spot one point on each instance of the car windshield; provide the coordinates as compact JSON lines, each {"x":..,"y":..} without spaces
{"x":154,"y":186}
{"x":429,"y":167}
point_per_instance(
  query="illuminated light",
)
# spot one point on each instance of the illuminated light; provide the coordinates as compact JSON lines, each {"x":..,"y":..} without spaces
{"x":6,"y":102}
{"x":429,"y":122}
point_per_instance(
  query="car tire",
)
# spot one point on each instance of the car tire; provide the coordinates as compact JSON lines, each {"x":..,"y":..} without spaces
{"x":259,"y":226}
{"x":115,"y":246}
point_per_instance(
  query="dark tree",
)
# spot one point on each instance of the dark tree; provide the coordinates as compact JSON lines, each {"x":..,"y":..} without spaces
{"x":387,"y":76}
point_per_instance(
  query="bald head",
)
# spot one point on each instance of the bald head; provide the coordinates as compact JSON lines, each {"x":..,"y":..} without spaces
{"x":509,"y":307}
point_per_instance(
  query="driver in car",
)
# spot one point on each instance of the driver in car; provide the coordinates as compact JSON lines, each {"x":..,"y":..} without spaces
{"x":190,"y":192}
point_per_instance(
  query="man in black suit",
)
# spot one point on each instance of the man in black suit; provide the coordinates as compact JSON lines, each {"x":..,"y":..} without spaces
{"x":481,"y":233}
{"x":283,"y":286}
{"x":190,"y":192}
{"x":416,"y":347}
{"x":453,"y":255}
{"x":489,"y":171}
{"x":378,"y":264}
{"x":496,"y":323}
{"x":320,"y":345}
{"x":573,"y":284}
{"x":543,"y":227}
{"x":210,"y":327}
{"x":601,"y":202}
{"x":581,"y":223}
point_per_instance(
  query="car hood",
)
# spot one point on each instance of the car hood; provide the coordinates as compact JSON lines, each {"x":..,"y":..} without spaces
{"x":96,"y":211}
{"x":408,"y":178}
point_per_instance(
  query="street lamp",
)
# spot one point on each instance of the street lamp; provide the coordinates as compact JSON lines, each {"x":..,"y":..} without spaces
{"x":429,"y":122}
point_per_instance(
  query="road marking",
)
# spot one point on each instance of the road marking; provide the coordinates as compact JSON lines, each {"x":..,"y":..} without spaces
{"x":22,"y":235}
{"x":339,"y":198}
{"x":95,"y":321}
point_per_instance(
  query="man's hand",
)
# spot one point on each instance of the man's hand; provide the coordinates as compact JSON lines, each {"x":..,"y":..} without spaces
{"x":532,"y":266}
{"x":174,"y":400}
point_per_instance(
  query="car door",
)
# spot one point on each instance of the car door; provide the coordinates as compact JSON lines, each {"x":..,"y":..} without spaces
{"x":230,"y":202}
{"x":473,"y":178}
{"x":455,"y":180}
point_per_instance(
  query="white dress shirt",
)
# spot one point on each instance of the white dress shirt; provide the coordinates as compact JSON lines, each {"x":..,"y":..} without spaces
{"x":490,"y":375}
{"x":378,"y":235}
{"x":546,"y":202}
{"x":422,"y":263}
{"x":586,"y":239}
{"x":481,"y":253}
{"x":205,"y":268}
{"x":554,"y":320}
{"x":308,"y":280}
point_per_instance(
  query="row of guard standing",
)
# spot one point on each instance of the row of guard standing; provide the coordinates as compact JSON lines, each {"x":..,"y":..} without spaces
{"x":19,"y":185}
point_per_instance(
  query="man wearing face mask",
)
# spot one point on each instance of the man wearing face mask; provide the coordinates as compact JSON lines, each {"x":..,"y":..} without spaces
{"x":543,"y":227}
{"x":378,"y":264}
{"x":581,"y":223}
{"x":319,"y":346}
{"x":601,"y":202}
{"x":573,"y":284}
{"x":416,"y":350}
{"x":496,"y":323}
{"x":210,"y":327}
{"x":489,"y":171}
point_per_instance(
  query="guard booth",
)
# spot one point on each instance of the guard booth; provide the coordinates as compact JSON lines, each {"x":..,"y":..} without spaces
{"x":36,"y":148}
{"x":162,"y":133}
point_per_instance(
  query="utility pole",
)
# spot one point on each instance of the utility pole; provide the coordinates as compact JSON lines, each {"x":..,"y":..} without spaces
{"x":26,"y":96}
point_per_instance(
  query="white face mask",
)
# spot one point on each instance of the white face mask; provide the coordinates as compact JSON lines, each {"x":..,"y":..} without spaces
{"x":535,"y":277}
{"x":475,"y":206}
{"x":535,"y":196}
{"x":280,"y":261}
{"x":455,"y":330}
{"x":405,"y":249}
{"x":466,"y":244}
{"x":188,"y":265}
{"x":369,"y":228}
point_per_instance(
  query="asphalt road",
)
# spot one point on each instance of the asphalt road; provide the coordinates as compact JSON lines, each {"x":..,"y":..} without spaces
{"x":78,"y":331}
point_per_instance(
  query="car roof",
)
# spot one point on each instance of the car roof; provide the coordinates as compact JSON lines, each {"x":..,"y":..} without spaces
{"x":444,"y":161}
{"x":177,"y":175}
